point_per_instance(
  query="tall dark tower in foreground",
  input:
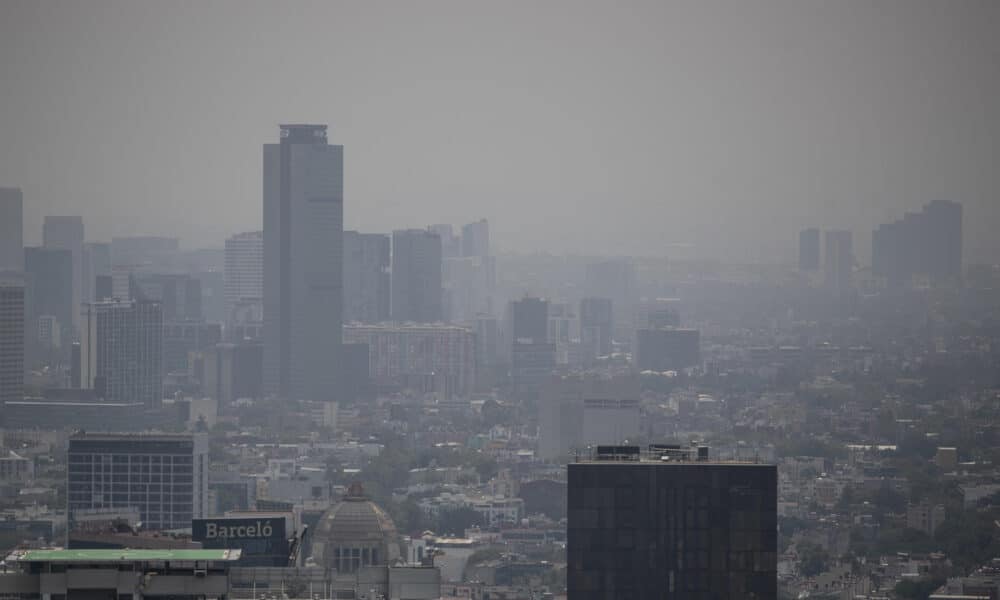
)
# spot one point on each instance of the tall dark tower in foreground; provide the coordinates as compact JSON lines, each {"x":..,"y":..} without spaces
{"x":303,"y":247}
{"x":665,"y":524}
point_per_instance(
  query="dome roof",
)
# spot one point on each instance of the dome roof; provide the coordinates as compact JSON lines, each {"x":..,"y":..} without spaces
{"x":355,"y":520}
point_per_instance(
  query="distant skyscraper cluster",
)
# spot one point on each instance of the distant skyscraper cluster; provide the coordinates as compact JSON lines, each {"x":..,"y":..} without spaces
{"x":926,"y":244}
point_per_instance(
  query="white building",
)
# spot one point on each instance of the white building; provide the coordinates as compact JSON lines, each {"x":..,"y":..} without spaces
{"x":244,"y":270}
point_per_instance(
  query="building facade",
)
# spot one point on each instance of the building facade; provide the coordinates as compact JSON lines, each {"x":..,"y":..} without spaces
{"x":11,"y":229}
{"x":303,"y":264}
{"x":838,"y":260}
{"x":66,"y":233}
{"x":416,"y":276}
{"x":121,"y":351}
{"x":244,"y":269}
{"x":809,"y":252}
{"x":925,"y":244}
{"x":648,"y":528}
{"x":11,"y":337}
{"x":667,"y":349}
{"x":596,"y":325}
{"x":49,"y":280}
{"x":164,"y":476}
{"x":367,"y":259}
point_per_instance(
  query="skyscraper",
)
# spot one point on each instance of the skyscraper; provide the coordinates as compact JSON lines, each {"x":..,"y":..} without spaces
{"x":667,"y":349}
{"x":925,"y":244}
{"x":96,"y":263}
{"x":11,"y":230}
{"x":121,"y":351}
{"x":367,"y":258}
{"x":244,"y":270}
{"x":809,"y":250}
{"x":451,"y":245}
{"x":615,"y":279}
{"x":11,"y":336}
{"x":49,"y":283}
{"x":596,"y":325}
{"x":416,"y":276}
{"x":303,"y":264}
{"x":165,"y":476}
{"x":476,"y":239}
{"x":529,"y":318}
{"x":838,"y":260}
{"x":66,"y":233}
{"x":666,"y":524}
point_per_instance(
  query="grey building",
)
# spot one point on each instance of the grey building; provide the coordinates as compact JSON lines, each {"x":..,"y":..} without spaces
{"x":529,"y":320}
{"x":244,"y":269}
{"x":303,"y":264}
{"x":66,"y":233}
{"x":49,"y":293}
{"x":144,"y":251}
{"x":96,"y":262}
{"x":615,"y":279}
{"x":233,"y":371}
{"x":181,"y":338}
{"x":809,"y":252}
{"x":179,"y":295}
{"x":367,"y":258}
{"x":838,"y":260}
{"x":121,"y":346}
{"x":667,"y":349}
{"x":416,"y":276}
{"x":596,"y":325}
{"x":577,"y":411}
{"x":11,"y":337}
{"x":164,"y":476}
{"x":925,"y":244}
{"x":11,"y":229}
{"x":665,"y":525}
{"x":476,"y":239}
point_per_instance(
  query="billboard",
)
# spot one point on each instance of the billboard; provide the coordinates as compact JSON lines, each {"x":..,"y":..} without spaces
{"x":263,"y":540}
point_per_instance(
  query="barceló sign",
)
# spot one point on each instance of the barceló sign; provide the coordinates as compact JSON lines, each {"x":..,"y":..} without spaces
{"x":219,"y":530}
{"x":260,"y":529}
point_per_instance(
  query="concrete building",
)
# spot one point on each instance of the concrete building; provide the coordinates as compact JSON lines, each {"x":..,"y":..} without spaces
{"x":403,"y":352}
{"x":179,"y":295}
{"x":95,"y":262}
{"x":476,"y":239}
{"x":667,"y":349}
{"x":451,"y":244}
{"x":182,"y":339}
{"x":809,"y":250}
{"x":416,"y":276}
{"x":367,"y":259}
{"x":66,"y":233}
{"x":927,"y":244}
{"x":11,"y":337}
{"x":355,"y":533}
{"x":615,"y":279}
{"x":165,"y":476}
{"x":303,"y":264}
{"x":838,"y":261}
{"x":11,"y":229}
{"x":925,"y":517}
{"x":49,"y":282}
{"x":244,"y":270}
{"x":596,"y":326}
{"x":121,"y":346}
{"x":233,"y":371}
{"x":659,"y":524}
{"x":578,"y":411}
{"x":531,"y":365}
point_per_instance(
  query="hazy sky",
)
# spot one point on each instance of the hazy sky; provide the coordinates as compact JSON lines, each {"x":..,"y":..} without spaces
{"x":587,"y":127}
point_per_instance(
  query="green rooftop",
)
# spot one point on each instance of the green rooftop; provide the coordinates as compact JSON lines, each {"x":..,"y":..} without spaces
{"x":121,"y":555}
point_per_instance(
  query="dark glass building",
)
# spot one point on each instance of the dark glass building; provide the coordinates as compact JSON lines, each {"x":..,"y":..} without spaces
{"x":809,"y":250}
{"x":641,"y":527}
{"x":667,"y":349}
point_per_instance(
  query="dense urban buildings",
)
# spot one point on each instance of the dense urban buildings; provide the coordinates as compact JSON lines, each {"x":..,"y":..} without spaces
{"x":11,"y":337}
{"x":367,"y":260}
{"x":244,"y":270}
{"x":95,"y":262}
{"x":303,"y":264}
{"x":416,"y":276}
{"x":49,"y":296}
{"x":164,"y":476}
{"x":121,"y":351}
{"x":233,"y":371}
{"x":11,"y":229}
{"x":927,"y":244}
{"x":179,"y":295}
{"x":596,"y":325}
{"x":665,"y":524}
{"x":66,"y":233}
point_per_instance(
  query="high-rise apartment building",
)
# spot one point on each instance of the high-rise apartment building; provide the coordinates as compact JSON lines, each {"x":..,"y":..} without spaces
{"x":665,"y":524}
{"x":416,"y":276}
{"x":66,"y":233}
{"x":367,"y":258}
{"x":96,"y":262}
{"x":838,"y":260}
{"x":578,"y":411}
{"x":476,"y":239}
{"x":121,"y":351}
{"x":809,"y":252}
{"x":925,"y":244}
{"x":596,"y":325}
{"x":49,"y":293}
{"x":451,"y":244}
{"x":11,"y":229}
{"x":164,"y":476}
{"x":303,"y":264}
{"x":11,"y":336}
{"x":244,"y":270}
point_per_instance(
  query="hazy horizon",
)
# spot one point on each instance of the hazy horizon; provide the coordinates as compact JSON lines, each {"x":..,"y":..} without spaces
{"x":575,"y":127}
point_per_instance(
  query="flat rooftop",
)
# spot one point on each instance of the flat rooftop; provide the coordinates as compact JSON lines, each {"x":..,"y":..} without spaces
{"x":91,"y":556}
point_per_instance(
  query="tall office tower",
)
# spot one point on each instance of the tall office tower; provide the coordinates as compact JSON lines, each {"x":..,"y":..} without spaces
{"x":96,"y":262}
{"x":11,"y":336}
{"x":476,"y":239}
{"x":182,"y":338}
{"x":809,"y":250}
{"x":615,"y":279}
{"x":66,"y":233}
{"x":577,"y":411}
{"x":367,"y":259}
{"x":49,"y":293}
{"x":927,"y":245}
{"x":303,"y":264}
{"x":244,"y":270}
{"x":416,"y":276}
{"x":529,"y":320}
{"x":451,"y":244}
{"x":596,"y":325}
{"x":165,"y":476}
{"x":11,"y":230}
{"x":838,"y":261}
{"x":944,"y":241}
{"x":121,"y":351}
{"x":665,"y":524}
{"x":233,"y":371}
{"x":667,"y":349}
{"x":179,"y":296}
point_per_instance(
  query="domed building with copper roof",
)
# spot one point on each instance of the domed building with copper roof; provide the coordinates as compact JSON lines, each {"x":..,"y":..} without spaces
{"x":355,"y":533}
